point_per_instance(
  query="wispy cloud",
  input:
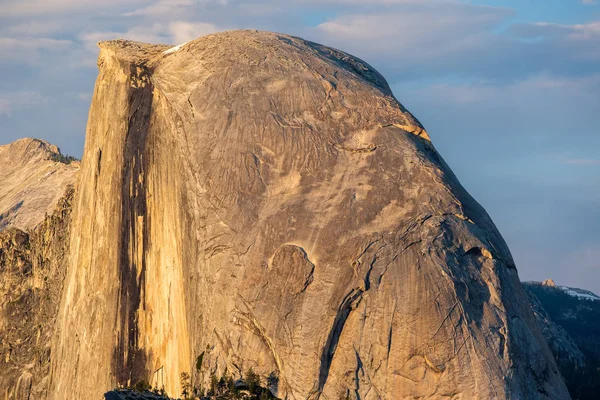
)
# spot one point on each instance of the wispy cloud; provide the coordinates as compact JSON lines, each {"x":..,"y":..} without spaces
{"x":10,"y":102}
{"x":175,"y":32}
{"x":518,"y":93}
{"x":171,"y":7}
{"x":29,"y":49}
{"x":11,"y":44}
{"x":588,"y":31}
{"x":154,"y":33}
{"x":37,"y":27}
{"x":20,"y":8}
{"x":464,"y":40}
{"x":581,"y":161}
{"x":181,"y":31}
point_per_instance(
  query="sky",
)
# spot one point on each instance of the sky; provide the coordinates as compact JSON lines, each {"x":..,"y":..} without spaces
{"x":509,"y":91}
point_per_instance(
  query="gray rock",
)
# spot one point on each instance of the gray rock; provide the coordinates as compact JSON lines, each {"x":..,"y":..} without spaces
{"x":268,"y":201}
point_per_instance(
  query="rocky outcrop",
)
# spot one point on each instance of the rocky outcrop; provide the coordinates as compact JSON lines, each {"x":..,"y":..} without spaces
{"x":549,"y":283}
{"x":32,"y":268}
{"x":267,"y":201}
{"x":34,"y":175}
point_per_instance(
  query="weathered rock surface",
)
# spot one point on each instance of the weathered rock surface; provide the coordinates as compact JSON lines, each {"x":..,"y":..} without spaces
{"x":34,"y":175}
{"x":32,"y":269}
{"x":267,"y":200}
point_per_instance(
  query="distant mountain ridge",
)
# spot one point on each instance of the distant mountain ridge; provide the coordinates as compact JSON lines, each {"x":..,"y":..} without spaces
{"x":34,"y":175}
{"x":570,"y":320}
{"x":575,"y":292}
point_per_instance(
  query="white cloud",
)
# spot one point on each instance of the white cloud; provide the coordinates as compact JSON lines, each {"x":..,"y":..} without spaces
{"x":416,"y":30}
{"x":154,"y":33}
{"x":35,"y":28}
{"x":181,"y":31}
{"x":169,"y":33}
{"x":589,"y":30}
{"x":34,"y":43}
{"x":12,"y":8}
{"x":362,"y":3}
{"x":162,"y":7}
{"x":588,"y":2}
{"x":581,"y":161}
{"x":530,"y":98}
{"x":88,"y":55}
{"x":175,"y":32}
{"x":415,"y":26}
{"x":170,"y":7}
{"x":29,"y":49}
{"x":585,"y":31}
{"x":433,"y":39}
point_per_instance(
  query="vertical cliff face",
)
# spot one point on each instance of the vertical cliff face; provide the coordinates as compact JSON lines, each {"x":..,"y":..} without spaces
{"x":122,"y":313}
{"x":267,"y":201}
{"x":32,"y":268}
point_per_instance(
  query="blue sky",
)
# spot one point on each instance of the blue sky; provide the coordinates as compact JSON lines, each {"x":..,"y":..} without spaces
{"x":508,"y":90}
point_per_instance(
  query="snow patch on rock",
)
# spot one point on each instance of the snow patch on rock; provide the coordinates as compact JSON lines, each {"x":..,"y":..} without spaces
{"x":580,"y":293}
{"x":175,"y":48}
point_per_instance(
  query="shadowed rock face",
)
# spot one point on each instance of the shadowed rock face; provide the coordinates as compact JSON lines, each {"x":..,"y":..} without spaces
{"x":32,"y":269}
{"x":268,"y":201}
{"x":35,"y":205}
{"x":563,"y":347}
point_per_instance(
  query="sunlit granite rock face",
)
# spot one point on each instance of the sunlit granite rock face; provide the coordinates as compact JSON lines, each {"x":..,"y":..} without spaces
{"x":266,"y":200}
{"x":34,"y":175}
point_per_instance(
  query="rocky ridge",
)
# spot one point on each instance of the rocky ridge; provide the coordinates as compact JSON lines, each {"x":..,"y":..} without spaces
{"x":574,"y":292}
{"x":34,"y":176}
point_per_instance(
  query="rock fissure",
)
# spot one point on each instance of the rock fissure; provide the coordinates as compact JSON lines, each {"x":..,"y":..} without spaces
{"x":130,"y":359}
{"x":349,"y":303}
